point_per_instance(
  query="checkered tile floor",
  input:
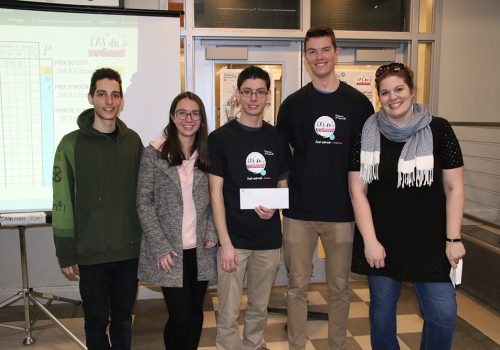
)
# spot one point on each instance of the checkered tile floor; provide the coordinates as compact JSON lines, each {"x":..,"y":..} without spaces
{"x":409,"y":322}
{"x":150,"y":317}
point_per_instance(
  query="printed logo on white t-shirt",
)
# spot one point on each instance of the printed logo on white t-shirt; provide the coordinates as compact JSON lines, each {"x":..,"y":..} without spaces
{"x":256,"y":163}
{"x":325,"y":127}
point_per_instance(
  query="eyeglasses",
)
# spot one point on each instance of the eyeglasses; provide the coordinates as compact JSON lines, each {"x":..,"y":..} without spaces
{"x":250,"y":92}
{"x":182,"y":114}
{"x":391,"y":67}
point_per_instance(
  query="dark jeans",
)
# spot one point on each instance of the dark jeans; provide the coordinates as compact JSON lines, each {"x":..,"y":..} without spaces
{"x":438,"y":306}
{"x":185,"y":307}
{"x":108,"y":292}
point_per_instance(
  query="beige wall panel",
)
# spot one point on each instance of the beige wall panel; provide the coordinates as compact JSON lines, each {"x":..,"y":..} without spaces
{"x":470,"y":61}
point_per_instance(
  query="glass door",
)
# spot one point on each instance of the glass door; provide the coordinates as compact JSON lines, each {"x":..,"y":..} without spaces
{"x":282,"y":59}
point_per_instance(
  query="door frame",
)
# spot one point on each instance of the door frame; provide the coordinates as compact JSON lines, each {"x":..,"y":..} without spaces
{"x":288,"y":54}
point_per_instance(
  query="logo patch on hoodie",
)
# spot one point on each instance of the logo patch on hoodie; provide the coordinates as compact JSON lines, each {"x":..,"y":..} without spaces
{"x":56,"y":174}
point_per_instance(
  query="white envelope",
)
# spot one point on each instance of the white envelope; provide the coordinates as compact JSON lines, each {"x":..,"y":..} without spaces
{"x":272,"y":198}
{"x":456,"y":273}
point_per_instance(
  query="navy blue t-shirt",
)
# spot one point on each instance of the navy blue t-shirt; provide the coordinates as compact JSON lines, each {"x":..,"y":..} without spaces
{"x":320,"y":127}
{"x":249,"y":158}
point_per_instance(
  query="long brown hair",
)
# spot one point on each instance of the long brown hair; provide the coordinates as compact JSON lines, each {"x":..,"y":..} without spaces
{"x":171,"y":149}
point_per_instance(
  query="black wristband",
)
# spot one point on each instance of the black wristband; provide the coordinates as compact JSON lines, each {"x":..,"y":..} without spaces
{"x":453,"y":240}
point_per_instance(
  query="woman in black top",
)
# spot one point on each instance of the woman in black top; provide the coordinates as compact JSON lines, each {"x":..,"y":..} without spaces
{"x":406,"y":185}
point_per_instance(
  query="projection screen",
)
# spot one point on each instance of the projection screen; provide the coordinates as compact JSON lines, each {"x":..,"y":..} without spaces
{"x":46,"y":61}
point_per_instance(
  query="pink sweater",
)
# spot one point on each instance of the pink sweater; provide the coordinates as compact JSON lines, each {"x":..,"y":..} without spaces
{"x":186,"y":173}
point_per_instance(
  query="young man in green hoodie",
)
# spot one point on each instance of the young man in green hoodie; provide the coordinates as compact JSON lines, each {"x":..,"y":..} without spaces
{"x":96,"y":229}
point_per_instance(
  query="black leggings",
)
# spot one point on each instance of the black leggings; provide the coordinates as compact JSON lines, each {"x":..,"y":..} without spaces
{"x":185,"y":307}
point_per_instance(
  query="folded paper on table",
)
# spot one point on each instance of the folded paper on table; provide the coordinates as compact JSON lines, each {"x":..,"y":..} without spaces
{"x":272,"y":198}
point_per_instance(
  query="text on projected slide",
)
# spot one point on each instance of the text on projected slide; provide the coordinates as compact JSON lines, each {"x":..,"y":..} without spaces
{"x":45,"y":69}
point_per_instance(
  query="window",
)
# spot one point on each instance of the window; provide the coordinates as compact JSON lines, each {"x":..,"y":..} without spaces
{"x":362,"y":15}
{"x":425,"y":23}
{"x":259,"y":14}
{"x":424,"y":73}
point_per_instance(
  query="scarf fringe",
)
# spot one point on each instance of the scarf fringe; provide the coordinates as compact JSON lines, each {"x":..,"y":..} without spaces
{"x":369,"y":166}
{"x":416,"y":172}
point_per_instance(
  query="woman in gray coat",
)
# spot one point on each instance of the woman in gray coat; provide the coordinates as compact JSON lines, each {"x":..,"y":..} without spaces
{"x":179,"y":241}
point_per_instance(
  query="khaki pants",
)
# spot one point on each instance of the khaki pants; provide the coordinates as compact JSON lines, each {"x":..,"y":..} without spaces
{"x":299,"y":242}
{"x":260,"y":267}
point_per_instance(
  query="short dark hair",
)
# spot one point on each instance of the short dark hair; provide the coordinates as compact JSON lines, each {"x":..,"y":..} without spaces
{"x":104,"y":73}
{"x":320,"y":31}
{"x":253,"y":72}
{"x":404,"y":73}
{"x":171,"y":149}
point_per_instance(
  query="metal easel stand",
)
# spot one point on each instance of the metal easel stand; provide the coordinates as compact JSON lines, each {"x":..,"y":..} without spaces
{"x":29,"y":295}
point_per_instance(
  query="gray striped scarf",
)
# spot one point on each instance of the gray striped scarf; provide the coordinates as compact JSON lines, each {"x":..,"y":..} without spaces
{"x":416,"y":162}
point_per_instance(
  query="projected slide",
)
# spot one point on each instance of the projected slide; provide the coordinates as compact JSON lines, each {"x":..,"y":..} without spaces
{"x":26,"y":107}
{"x":43,"y":88}
{"x":46,"y":61}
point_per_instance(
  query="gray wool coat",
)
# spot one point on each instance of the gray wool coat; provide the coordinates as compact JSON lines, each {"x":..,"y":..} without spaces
{"x":159,"y":205}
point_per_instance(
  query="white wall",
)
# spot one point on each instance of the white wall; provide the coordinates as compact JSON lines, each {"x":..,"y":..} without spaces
{"x":43,"y":270}
{"x":468,"y":92}
{"x":470,"y":61}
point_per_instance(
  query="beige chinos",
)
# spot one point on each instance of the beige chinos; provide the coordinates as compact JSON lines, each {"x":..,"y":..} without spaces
{"x":260,"y":267}
{"x":299,"y":241}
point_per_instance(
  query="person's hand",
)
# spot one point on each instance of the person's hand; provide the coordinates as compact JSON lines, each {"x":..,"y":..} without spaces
{"x":166,"y":262}
{"x":71,"y":271}
{"x":375,"y":254}
{"x":264,"y":213}
{"x":228,"y":258}
{"x":209,"y":244}
{"x":454,"y":252}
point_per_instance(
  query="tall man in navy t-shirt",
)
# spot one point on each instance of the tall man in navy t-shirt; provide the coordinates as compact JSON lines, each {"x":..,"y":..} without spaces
{"x":319,"y":122}
{"x":246,"y":153}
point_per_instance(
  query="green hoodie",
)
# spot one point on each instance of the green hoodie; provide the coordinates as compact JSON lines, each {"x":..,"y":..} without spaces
{"x":94,"y":216}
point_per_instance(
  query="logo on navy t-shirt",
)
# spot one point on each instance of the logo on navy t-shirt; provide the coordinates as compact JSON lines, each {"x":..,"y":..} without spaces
{"x":324,"y":127}
{"x":256,"y":164}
